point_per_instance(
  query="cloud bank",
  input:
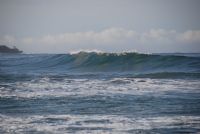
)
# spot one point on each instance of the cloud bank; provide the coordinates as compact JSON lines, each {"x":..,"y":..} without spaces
{"x":117,"y":38}
{"x":106,"y":36}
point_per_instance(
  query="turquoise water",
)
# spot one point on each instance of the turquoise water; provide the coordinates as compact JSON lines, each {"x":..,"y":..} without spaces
{"x":99,"y":93}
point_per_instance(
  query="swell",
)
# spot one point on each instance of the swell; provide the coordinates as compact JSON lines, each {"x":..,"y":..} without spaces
{"x":83,"y":62}
{"x":134,"y":62}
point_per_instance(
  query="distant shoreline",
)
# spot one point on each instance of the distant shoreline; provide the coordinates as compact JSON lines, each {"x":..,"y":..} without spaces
{"x":6,"y":49}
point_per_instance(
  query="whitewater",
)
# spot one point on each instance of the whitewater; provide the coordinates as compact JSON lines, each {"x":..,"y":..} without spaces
{"x":90,"y":92}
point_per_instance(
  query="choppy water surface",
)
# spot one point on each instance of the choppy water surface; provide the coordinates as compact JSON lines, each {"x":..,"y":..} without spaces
{"x":58,"y":94}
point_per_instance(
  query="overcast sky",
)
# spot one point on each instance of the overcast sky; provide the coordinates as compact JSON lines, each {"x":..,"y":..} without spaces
{"x":61,"y":26}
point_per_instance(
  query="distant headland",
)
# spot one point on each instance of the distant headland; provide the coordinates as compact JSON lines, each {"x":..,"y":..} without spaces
{"x":6,"y":49}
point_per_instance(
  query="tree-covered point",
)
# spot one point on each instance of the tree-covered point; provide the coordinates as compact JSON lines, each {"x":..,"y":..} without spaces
{"x":6,"y":49}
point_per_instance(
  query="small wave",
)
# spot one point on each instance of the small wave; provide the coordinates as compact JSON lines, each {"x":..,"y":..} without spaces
{"x":121,"y":81}
{"x":171,"y":75}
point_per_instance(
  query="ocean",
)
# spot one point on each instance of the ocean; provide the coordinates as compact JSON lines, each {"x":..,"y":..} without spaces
{"x":102,"y":93}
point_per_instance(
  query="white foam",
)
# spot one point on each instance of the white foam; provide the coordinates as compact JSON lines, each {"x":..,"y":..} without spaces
{"x":87,"y":87}
{"x":102,"y":123}
{"x":86,"y":51}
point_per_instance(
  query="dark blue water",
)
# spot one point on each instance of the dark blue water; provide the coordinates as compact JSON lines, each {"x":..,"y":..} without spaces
{"x":99,"y":93}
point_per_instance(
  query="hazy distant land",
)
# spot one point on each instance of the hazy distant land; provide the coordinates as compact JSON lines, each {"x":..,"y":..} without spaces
{"x":6,"y":49}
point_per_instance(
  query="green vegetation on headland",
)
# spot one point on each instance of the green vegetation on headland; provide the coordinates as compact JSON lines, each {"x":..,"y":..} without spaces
{"x":6,"y":49}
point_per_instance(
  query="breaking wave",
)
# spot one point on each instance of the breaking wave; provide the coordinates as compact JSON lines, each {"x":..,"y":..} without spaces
{"x":142,"y":65}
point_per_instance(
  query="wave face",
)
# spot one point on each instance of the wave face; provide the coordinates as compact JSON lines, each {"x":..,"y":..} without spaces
{"x":134,"y":64}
